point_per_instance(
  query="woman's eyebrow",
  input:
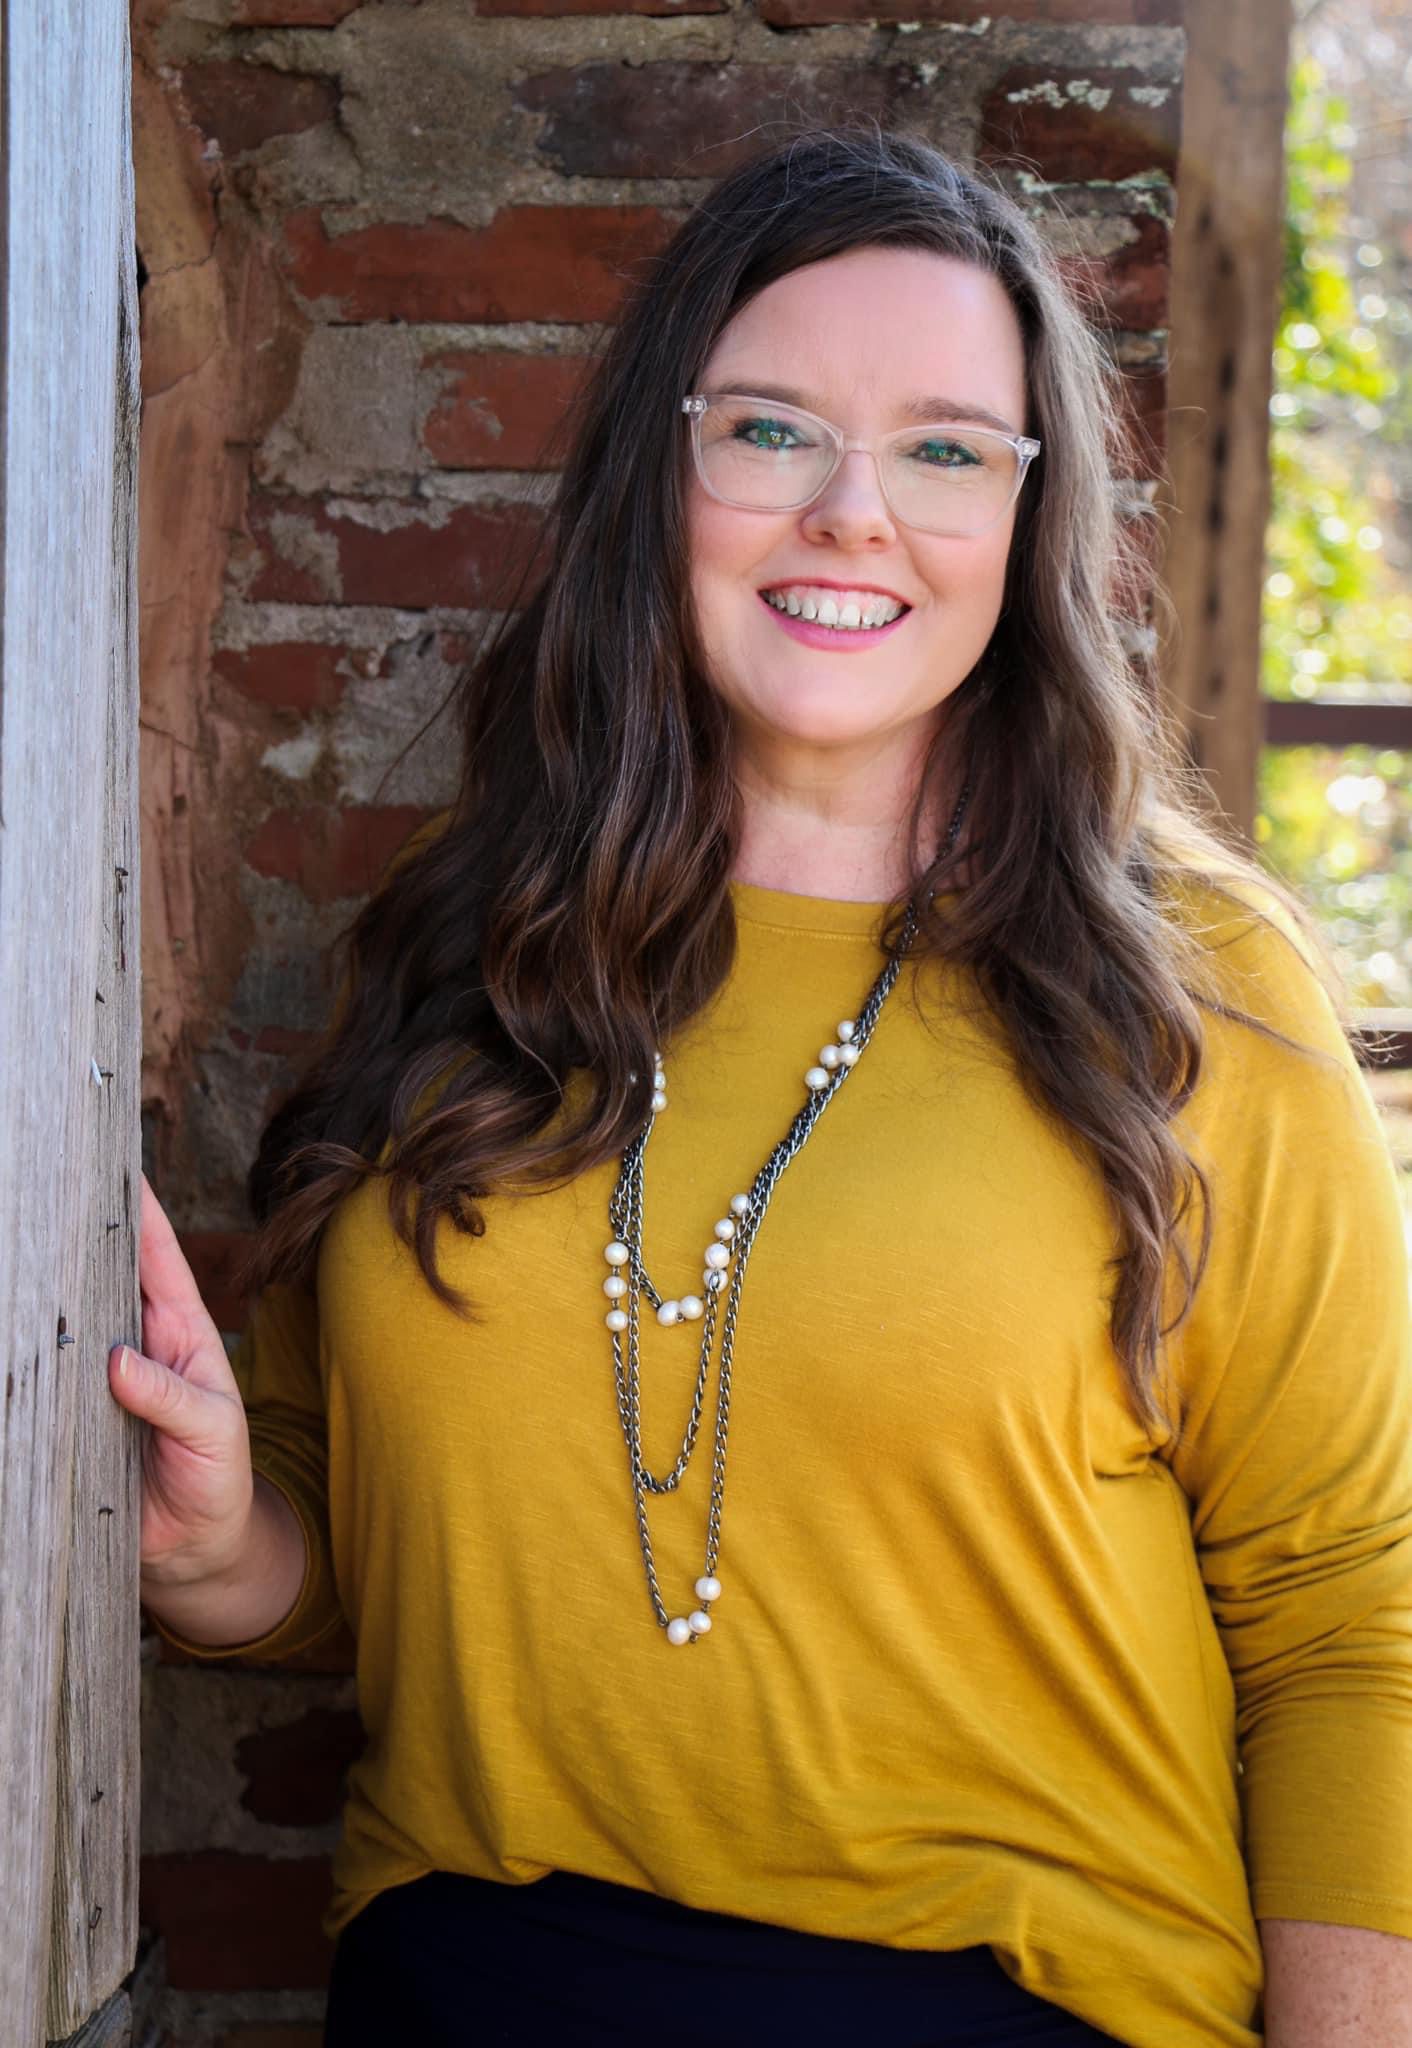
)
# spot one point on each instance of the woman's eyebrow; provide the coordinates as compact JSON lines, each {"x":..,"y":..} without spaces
{"x":920,"y":409}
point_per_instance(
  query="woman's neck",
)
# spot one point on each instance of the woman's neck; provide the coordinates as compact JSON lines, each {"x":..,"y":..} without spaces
{"x":844,"y":840}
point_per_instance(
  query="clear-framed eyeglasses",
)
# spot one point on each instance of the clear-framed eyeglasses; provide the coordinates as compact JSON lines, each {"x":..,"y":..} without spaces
{"x":947,"y":477}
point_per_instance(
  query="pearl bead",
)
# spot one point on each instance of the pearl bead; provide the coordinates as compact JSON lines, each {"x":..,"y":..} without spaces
{"x":828,"y":1057}
{"x":616,"y":1253}
{"x":615,"y":1287}
{"x":659,"y":1100}
{"x":708,"y":1588}
{"x":725,"y":1230}
{"x":816,"y":1078}
{"x":659,"y":1079}
{"x":679,"y":1631}
{"x":669,"y":1312}
{"x":717,"y":1256}
{"x":713,"y":1281}
{"x":846,"y":1030}
{"x":849,"y":1055}
{"x":692,"y":1307}
{"x":739,"y":1204}
{"x":616,"y":1319}
{"x":699,"y":1623}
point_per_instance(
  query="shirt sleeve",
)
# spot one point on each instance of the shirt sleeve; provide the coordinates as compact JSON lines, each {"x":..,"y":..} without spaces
{"x":276,"y":1367}
{"x":1294,"y":1446}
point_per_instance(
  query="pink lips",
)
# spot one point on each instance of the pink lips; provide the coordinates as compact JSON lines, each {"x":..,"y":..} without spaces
{"x":815,"y":635}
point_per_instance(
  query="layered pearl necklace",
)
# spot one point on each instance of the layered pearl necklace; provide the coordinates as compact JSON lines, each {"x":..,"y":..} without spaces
{"x":723,"y":1275}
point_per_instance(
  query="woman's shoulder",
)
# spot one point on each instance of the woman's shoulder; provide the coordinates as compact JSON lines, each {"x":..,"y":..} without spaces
{"x":421,"y":837}
{"x":1251,"y":948}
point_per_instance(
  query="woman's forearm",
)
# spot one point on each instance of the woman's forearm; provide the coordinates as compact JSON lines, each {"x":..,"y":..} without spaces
{"x":253,"y":1595}
{"x":1335,"y":1987}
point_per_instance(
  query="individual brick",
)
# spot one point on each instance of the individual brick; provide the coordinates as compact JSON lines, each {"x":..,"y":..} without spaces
{"x":239,"y":1923}
{"x":501,"y":407}
{"x":675,"y":120}
{"x":243,"y":105}
{"x":1071,"y":127}
{"x":414,"y":554}
{"x":556,"y":7}
{"x":331,"y":852}
{"x":291,"y":675}
{"x":529,"y":263}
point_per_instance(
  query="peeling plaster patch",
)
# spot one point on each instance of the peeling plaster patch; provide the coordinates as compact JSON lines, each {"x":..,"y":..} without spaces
{"x":1140,"y":351}
{"x":301,"y":928}
{"x":520,"y":337}
{"x":1136,"y":638}
{"x":1148,"y":192}
{"x":192,"y":1720}
{"x":1081,"y":89}
{"x":353,"y":416}
{"x":489,"y":486}
{"x":1149,"y":95}
{"x":378,"y":717}
{"x":286,"y":977}
{"x":1102,"y":236}
{"x":294,"y":759}
{"x":300,"y":543}
{"x":384,"y":516}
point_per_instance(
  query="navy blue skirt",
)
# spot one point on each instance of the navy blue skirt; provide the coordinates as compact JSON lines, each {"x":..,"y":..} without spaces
{"x":459,"y":1962}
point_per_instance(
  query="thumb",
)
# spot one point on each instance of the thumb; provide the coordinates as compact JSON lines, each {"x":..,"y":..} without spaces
{"x":158,"y":1395}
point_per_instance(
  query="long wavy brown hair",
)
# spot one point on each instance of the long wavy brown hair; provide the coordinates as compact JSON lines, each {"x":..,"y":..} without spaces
{"x":572,"y":909}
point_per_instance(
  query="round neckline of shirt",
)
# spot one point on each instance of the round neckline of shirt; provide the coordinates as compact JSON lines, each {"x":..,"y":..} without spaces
{"x":782,"y":909}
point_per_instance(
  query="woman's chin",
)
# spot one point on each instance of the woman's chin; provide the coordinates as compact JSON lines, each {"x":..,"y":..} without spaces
{"x":819,"y":725}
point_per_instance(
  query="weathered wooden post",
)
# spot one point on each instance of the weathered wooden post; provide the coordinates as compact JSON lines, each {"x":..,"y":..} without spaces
{"x":69,"y":1026}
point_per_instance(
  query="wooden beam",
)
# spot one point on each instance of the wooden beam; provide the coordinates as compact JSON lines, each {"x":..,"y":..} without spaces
{"x":1336,"y":724}
{"x":69,"y":1070}
{"x":1226,"y":262}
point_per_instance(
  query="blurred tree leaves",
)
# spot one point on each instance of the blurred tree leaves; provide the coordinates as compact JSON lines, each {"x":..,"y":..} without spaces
{"x":1337,"y":618}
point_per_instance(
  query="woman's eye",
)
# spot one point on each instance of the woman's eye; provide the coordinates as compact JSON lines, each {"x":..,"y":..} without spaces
{"x":770,"y":432}
{"x":948,"y":454}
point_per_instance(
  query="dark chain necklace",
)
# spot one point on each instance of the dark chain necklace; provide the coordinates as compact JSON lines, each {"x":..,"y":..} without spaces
{"x":727,"y":1256}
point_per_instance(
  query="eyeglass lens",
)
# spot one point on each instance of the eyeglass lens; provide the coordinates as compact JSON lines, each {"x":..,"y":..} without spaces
{"x":956,"y":481}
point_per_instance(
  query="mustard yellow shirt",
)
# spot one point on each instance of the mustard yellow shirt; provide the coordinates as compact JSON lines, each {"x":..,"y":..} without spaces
{"x":990,"y":1664}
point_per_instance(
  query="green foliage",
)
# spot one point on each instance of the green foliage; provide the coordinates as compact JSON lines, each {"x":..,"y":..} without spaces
{"x":1335,"y":620}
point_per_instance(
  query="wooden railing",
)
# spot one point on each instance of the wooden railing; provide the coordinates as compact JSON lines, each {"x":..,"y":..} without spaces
{"x":1347,"y":722}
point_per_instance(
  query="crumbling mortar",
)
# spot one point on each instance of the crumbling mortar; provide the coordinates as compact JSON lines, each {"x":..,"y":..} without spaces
{"x":241,"y":626}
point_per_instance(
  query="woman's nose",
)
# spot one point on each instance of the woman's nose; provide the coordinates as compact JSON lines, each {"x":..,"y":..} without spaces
{"x":852,"y":506}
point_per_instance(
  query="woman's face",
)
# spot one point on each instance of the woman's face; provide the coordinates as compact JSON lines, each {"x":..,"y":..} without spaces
{"x":858,"y":338}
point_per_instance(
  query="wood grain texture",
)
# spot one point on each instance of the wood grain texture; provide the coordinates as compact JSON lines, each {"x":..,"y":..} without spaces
{"x":68,"y":1025}
{"x":1225,"y":298}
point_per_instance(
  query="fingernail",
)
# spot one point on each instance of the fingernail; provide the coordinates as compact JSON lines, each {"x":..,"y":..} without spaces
{"x":122,"y":1363}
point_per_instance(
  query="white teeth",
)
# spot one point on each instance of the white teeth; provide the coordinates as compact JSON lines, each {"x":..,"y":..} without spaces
{"x":851,"y":617}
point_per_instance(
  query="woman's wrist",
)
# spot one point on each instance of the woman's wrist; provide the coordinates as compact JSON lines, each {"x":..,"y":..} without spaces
{"x":240,"y":1600}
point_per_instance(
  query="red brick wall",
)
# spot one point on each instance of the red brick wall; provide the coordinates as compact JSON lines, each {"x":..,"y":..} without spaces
{"x":378,"y":243}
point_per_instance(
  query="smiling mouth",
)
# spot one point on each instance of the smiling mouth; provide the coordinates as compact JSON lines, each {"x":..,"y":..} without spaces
{"x":860,"y":612}
{"x":841,"y":634}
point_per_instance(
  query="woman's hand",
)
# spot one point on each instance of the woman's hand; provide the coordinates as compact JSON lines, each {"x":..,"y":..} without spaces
{"x":197,"y":1487}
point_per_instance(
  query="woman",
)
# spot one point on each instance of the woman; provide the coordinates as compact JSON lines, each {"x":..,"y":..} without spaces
{"x":987,"y":1622}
